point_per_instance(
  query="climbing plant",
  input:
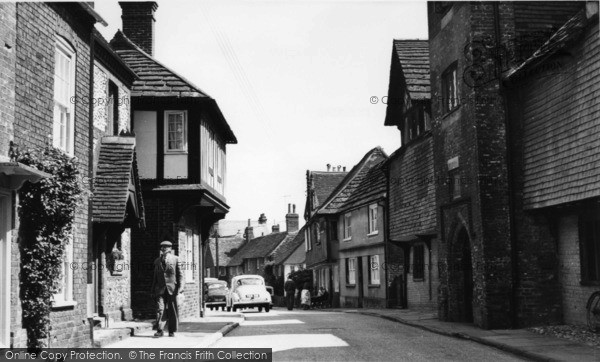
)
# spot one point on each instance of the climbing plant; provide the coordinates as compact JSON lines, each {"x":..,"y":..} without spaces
{"x":46,"y":214}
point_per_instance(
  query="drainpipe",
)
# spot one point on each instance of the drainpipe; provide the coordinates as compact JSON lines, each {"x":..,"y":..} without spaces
{"x":386,"y":233}
{"x":511,"y":196}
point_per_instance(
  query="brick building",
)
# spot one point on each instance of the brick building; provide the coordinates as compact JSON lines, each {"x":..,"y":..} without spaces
{"x":181,"y":137}
{"x":411,"y":256}
{"x":117,"y":204}
{"x":45,"y":68}
{"x":500,"y":250}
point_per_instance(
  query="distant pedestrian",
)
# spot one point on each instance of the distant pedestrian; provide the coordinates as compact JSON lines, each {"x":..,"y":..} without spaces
{"x":167,"y":283}
{"x":290,"y":289}
{"x":305,"y":296}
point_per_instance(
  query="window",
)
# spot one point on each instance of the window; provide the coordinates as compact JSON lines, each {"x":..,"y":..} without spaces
{"x":418,"y":262}
{"x":259,"y":264}
{"x":589,"y":238}
{"x":316,"y":229}
{"x":351,"y":271}
{"x":307,"y":237}
{"x":454,"y":184}
{"x":373,"y":219}
{"x":449,"y":89}
{"x":347,"y":226}
{"x":176,"y":131}
{"x":374,"y":270}
{"x":64,"y":294}
{"x":112,"y":109}
{"x":332,"y":231}
{"x":63,"y":132}
{"x":189,"y":257}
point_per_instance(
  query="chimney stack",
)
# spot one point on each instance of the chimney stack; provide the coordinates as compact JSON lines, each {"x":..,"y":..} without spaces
{"x":275,"y":228}
{"x":262,"y":219}
{"x":249,"y":232}
{"x":328,"y":167}
{"x":138,"y":23}
{"x":291,"y":220}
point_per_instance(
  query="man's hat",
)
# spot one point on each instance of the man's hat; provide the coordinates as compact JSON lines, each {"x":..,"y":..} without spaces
{"x":166,"y":243}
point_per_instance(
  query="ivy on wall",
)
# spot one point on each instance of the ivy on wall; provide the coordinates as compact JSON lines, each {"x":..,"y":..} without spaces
{"x":46,"y":214}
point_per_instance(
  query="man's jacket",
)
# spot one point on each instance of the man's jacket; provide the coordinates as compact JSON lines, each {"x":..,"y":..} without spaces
{"x":169,"y":276}
{"x":289,"y":286}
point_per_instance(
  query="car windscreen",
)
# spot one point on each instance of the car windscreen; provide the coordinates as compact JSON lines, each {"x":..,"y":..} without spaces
{"x":250,"y":281}
{"x":217,"y":286}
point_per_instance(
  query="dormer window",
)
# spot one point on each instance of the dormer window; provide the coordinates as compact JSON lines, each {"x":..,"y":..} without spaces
{"x":176,"y":131}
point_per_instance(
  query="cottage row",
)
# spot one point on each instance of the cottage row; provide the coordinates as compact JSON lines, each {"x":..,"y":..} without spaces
{"x":489,"y":212}
{"x":151,"y":144}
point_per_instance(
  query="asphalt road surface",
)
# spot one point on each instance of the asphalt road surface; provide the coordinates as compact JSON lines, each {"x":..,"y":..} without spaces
{"x":334,"y":336}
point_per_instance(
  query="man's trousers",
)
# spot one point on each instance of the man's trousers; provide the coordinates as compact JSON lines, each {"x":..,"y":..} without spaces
{"x":166,"y":311}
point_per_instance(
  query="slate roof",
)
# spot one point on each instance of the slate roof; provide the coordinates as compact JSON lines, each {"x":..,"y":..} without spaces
{"x":157,"y":81}
{"x":228,"y":246}
{"x":259,"y":247}
{"x":569,"y":32}
{"x":348,"y":187}
{"x":414,"y":59}
{"x":287,"y":246}
{"x":116,"y":166}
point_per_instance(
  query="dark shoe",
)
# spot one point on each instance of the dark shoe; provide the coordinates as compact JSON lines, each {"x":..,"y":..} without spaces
{"x":171,"y":334}
{"x":158,"y":334}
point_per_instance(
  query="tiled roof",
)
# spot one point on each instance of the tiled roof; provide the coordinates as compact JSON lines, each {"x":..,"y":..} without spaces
{"x":155,"y":79}
{"x":288,"y":246}
{"x":414,"y":60}
{"x":372,"y":186}
{"x":569,"y":32}
{"x":228,"y":246}
{"x":158,"y":81}
{"x":257,"y":248}
{"x":324,"y":183}
{"x":116,"y":166}
{"x":342,"y":194}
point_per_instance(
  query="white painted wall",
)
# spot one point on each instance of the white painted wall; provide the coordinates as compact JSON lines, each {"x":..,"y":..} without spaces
{"x":176,"y":165}
{"x":145,"y":137}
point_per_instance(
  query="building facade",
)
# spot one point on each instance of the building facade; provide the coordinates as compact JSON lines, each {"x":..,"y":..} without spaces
{"x":412,"y":250}
{"x":181,"y":137}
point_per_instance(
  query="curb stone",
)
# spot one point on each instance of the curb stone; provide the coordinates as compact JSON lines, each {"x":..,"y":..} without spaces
{"x":213,"y":338}
{"x":516,"y":351}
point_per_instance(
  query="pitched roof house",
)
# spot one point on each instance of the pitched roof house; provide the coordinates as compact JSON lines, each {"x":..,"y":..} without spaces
{"x":181,"y":137}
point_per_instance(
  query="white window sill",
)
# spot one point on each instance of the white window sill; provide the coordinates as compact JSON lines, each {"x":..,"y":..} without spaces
{"x":373,"y":233}
{"x":176,"y":152}
{"x":63,"y":304}
{"x":348,"y":239}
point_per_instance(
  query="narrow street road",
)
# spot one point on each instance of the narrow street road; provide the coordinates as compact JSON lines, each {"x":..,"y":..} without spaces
{"x":333,"y":336}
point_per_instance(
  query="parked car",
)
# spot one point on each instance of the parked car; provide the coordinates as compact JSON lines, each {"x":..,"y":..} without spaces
{"x":216,"y":294}
{"x":248,"y":291}
{"x":271,"y":291}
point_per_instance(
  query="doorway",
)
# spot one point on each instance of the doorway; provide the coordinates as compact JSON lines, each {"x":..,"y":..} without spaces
{"x":5,"y":274}
{"x":466,"y":268}
{"x":361,"y":290}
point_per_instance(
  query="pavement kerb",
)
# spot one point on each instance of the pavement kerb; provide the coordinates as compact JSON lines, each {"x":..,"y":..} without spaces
{"x":504,"y":347}
{"x":213,"y":338}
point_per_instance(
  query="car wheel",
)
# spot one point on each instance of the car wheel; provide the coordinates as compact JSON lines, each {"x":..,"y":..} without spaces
{"x":229,"y":309}
{"x":211,"y":308}
{"x":234,"y":309}
{"x":223,"y":309}
{"x":259,"y":309}
{"x":267,"y":308}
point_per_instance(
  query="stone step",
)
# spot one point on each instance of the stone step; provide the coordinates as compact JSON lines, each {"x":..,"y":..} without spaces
{"x":119,"y":331}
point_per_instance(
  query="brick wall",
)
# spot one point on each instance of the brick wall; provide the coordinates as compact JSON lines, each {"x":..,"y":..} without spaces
{"x":38,"y":24}
{"x":423,"y":293}
{"x":8,"y":23}
{"x":138,"y":23}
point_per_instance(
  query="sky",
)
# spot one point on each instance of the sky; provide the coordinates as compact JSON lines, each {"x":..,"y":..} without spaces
{"x":294,"y":79}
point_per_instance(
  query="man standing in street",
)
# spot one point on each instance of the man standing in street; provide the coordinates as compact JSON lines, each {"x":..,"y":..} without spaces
{"x":290,"y":289}
{"x":166,"y":284}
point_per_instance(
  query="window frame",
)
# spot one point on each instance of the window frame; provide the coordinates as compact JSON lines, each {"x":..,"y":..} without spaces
{"x":374,"y":273}
{"x":62,"y":297}
{"x":189,"y":257}
{"x":64,"y":47}
{"x":347,"y":219}
{"x":450,"y":95}
{"x":351,"y":271}
{"x":184,"y":149}
{"x":373,"y":228}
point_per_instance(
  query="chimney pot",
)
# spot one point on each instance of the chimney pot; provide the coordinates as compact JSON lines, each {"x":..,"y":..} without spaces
{"x":291,"y":220}
{"x":294,"y":208}
{"x":289,"y":208}
{"x":339,"y":168}
{"x":344,"y":168}
{"x":328,"y":167}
